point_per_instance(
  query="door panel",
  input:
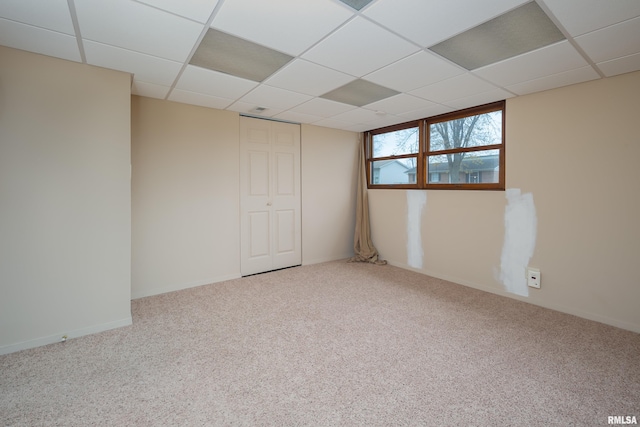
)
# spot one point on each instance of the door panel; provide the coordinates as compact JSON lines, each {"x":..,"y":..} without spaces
{"x":284,"y":138}
{"x":258,"y":135}
{"x":259,"y":173}
{"x":285,"y":232}
{"x":259,"y":234}
{"x":270,"y":195}
{"x":286,"y":250}
{"x":285,"y":179}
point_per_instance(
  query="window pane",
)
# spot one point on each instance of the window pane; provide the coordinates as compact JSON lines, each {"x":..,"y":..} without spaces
{"x":472,"y":131}
{"x":464,"y":168}
{"x":399,"y":171}
{"x":395,"y":143}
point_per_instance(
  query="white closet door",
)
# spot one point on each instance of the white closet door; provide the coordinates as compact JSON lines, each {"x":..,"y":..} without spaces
{"x":270,"y":195}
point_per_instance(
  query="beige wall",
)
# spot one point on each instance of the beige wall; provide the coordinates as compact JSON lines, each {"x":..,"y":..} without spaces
{"x":575,"y":150}
{"x":185,"y":195}
{"x":64,"y":199}
{"x":329,"y":177}
{"x":66,"y":131}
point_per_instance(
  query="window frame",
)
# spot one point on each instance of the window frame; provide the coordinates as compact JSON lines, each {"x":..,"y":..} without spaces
{"x":422,"y":173}
{"x":368,"y":141}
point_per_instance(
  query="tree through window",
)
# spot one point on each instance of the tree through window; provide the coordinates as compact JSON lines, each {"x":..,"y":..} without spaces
{"x":460,"y":150}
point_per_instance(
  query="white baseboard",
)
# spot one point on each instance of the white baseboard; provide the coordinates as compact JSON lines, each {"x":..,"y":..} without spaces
{"x":181,"y":286}
{"x":51,"y":339}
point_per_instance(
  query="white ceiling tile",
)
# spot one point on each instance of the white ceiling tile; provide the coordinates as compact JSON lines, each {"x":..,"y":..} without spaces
{"x":295,"y":117}
{"x":360,"y":127}
{"x":399,"y":104}
{"x":479,"y":99}
{"x":582,"y":16}
{"x":612,"y":42}
{"x":382,"y":121}
{"x":337,"y":124}
{"x":565,"y":78}
{"x":200,"y":99}
{"x":273,"y":97}
{"x":135,"y":26}
{"x":382,"y":44}
{"x":198,"y":10}
{"x":51,"y":14}
{"x":144,"y":67}
{"x":358,"y":115}
{"x":196,"y":79}
{"x":149,"y":90}
{"x":322,"y":107}
{"x":247,"y":108}
{"x":622,"y":65}
{"x":428,"y":22}
{"x":548,"y":60}
{"x":424,"y":113}
{"x":309,"y":78}
{"x":415,"y":71}
{"x":290,"y":26}
{"x":359,"y":48}
{"x":453,"y":88}
{"x":34,"y":39}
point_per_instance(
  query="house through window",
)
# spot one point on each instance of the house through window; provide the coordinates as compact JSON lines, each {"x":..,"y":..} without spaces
{"x":396,"y":156}
{"x":459,"y":150}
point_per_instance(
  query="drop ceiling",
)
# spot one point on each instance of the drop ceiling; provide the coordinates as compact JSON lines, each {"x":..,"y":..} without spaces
{"x":386,"y":48}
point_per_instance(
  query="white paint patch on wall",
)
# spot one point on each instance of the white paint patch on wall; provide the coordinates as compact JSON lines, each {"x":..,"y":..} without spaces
{"x":416,"y":201}
{"x":520,"y":223}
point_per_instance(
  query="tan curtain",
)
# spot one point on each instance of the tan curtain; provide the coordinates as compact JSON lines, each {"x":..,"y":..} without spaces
{"x":362,"y":244}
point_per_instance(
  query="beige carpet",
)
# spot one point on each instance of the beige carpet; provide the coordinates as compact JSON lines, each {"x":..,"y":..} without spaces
{"x":333,"y":344}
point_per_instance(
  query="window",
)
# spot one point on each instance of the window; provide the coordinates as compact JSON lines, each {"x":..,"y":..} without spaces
{"x":459,"y":150}
{"x":395,"y":154}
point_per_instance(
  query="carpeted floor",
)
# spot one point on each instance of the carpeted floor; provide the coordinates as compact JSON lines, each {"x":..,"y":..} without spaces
{"x":334,"y":344}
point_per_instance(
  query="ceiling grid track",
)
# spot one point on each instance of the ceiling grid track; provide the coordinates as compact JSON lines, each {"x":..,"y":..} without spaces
{"x":76,"y":28}
{"x":207,"y":25}
{"x":569,"y":37}
{"x":331,"y":46}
